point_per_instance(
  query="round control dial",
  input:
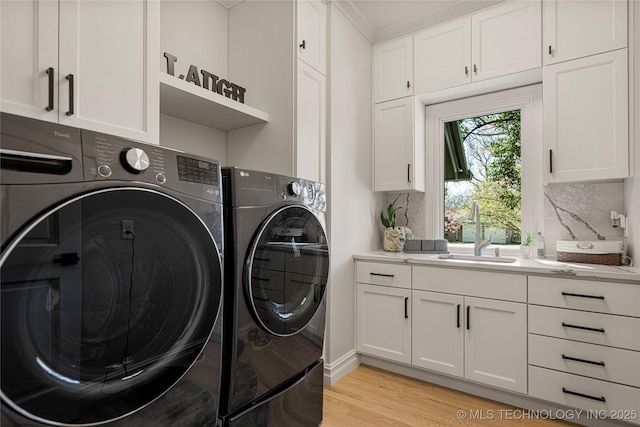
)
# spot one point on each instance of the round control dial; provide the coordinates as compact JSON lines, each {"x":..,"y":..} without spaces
{"x":294,"y":188}
{"x":135,"y":160}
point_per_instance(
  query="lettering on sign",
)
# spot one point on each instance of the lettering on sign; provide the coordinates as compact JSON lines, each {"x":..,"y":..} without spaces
{"x":208,"y":81}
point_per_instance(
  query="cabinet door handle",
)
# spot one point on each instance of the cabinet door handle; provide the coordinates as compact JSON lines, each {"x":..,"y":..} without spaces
{"x":569,"y":294}
{"x":466,"y":70}
{"x":381,"y":274}
{"x":303,"y":45}
{"x":468,"y":317}
{"x":575,"y":359}
{"x":550,"y":50}
{"x":550,"y":161}
{"x":406,"y":307}
{"x":584,"y":328}
{"x":586,"y":396}
{"x":50,"y":73}
{"x":408,"y":84}
{"x":475,"y":69}
{"x":409,"y":172}
{"x":70,"y":78}
{"x":458,"y":316}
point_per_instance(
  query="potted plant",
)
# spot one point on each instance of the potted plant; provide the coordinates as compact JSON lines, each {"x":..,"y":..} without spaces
{"x":393,"y":236}
{"x":525,"y":246}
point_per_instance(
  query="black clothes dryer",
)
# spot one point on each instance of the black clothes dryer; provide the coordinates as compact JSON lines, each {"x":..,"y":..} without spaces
{"x":111,"y":284}
{"x":276,"y":272}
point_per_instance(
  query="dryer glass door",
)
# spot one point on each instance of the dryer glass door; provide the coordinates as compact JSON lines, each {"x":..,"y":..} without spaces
{"x":289,"y":267}
{"x":107,"y":300}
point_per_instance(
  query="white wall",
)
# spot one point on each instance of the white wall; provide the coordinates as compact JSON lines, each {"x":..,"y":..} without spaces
{"x":632,"y":185}
{"x":353,"y":206}
{"x":195,"y":31}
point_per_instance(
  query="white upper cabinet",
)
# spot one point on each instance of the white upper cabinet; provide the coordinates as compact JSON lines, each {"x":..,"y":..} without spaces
{"x":506,"y":39}
{"x":393,"y":69}
{"x":442,"y":56}
{"x":398,"y":146}
{"x":586,"y":133}
{"x":496,"y":41}
{"x":573,"y":29}
{"x":310,"y":30}
{"x":310,"y":124}
{"x":103,"y":67}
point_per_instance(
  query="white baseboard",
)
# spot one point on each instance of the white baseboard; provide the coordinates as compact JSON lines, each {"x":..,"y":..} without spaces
{"x":341,"y":367}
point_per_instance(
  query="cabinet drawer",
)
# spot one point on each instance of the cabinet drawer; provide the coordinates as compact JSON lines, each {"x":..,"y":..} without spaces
{"x":510,"y":287}
{"x":602,"y":297}
{"x":615,"y":400}
{"x":595,"y":328}
{"x":589,"y":360}
{"x":377,"y":273}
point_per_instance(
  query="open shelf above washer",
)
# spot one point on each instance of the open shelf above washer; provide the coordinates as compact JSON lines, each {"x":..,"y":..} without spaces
{"x":192,"y":103}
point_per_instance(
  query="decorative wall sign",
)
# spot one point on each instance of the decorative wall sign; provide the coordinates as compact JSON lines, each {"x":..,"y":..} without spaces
{"x":209,"y":81}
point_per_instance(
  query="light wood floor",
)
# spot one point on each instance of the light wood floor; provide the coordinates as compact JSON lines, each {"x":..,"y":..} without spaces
{"x":373,"y":397}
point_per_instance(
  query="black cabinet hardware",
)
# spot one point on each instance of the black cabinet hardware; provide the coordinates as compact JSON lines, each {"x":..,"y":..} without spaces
{"x":586,"y":396}
{"x":575,"y":359}
{"x":468,"y":317}
{"x":550,"y":161}
{"x":569,"y":294}
{"x":408,"y":84}
{"x":409,"y":172}
{"x":303,"y":45}
{"x":475,"y":69}
{"x":406,"y":307}
{"x":458,"y":316}
{"x":70,"y":78}
{"x":50,"y":72}
{"x":550,"y":50}
{"x":584,"y":328}
{"x":466,"y":70}
{"x":381,"y":274}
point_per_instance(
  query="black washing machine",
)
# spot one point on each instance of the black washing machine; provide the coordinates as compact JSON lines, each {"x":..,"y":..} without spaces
{"x":111,"y":286}
{"x":276,"y":272}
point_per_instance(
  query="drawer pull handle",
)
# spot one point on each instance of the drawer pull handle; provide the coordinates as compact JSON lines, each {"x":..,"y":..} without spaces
{"x":586,"y":396}
{"x":569,"y":294}
{"x":458,"y":316}
{"x":585,"y":328}
{"x":50,"y":73}
{"x":468,"y":317}
{"x":406,"y":307}
{"x":381,"y":274}
{"x":575,"y":359}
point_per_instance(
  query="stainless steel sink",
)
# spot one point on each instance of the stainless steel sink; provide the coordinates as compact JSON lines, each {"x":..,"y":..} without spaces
{"x":477,"y":258}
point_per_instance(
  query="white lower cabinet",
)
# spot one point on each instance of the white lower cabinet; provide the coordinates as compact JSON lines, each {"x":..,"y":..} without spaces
{"x":476,"y":338}
{"x":384,"y":326}
{"x":584,"y":346}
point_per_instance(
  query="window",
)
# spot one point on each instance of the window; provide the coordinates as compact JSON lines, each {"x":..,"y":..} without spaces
{"x":470,"y":158}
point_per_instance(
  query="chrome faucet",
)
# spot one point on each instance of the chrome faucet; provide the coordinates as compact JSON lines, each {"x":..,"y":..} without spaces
{"x":478,"y":244}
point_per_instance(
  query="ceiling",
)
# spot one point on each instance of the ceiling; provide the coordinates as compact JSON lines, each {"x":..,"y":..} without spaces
{"x":384,"y":19}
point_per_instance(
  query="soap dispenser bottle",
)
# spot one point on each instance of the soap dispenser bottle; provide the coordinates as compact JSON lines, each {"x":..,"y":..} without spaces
{"x":539,"y":245}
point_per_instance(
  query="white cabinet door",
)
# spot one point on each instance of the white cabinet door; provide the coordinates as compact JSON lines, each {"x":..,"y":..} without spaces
{"x":496,"y":343}
{"x":310,"y":124}
{"x":586,"y":118}
{"x":111,"y":51}
{"x":398,"y":146}
{"x":311,"y":18}
{"x":506,"y":39}
{"x":573,"y":29}
{"x":383,"y":322}
{"x":442,"y":56}
{"x":29,"y":36}
{"x":438,"y":332}
{"x":393,"y":69}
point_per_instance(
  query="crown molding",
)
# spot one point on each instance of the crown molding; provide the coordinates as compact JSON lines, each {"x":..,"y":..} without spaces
{"x":356,"y":18}
{"x":422,"y":21}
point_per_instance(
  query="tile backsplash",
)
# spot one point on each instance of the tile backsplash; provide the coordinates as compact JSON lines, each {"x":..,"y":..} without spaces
{"x":571,"y":212}
{"x":581,"y":212}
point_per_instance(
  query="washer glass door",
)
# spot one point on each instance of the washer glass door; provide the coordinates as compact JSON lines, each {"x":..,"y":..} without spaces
{"x":289,"y":267}
{"x":106,"y":302}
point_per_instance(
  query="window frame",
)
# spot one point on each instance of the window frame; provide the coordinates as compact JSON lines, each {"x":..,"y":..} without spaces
{"x":528,"y":100}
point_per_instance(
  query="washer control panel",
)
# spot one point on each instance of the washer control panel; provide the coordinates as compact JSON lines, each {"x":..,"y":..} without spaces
{"x":107,"y":157}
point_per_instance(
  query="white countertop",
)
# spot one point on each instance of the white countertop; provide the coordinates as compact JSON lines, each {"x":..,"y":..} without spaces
{"x":526,"y":266}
